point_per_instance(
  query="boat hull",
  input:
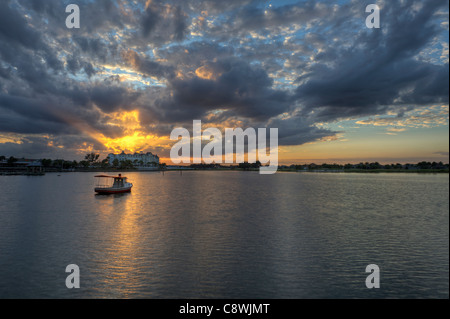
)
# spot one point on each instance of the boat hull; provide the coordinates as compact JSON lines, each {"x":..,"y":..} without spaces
{"x":112,"y":190}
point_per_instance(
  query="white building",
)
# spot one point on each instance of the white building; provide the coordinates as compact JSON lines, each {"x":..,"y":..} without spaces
{"x":138,"y":159}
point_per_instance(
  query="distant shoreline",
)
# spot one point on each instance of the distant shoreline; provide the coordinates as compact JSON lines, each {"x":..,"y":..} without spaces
{"x":370,"y":171}
{"x":97,"y":170}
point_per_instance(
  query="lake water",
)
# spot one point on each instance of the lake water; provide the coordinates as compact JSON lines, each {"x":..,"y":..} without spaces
{"x":220,"y":234}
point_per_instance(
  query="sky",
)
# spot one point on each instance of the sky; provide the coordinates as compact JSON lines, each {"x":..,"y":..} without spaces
{"x":336,"y":90}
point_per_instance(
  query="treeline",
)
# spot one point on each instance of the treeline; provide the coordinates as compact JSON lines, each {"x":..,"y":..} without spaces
{"x":245,"y":166}
{"x":10,"y":160}
{"x":371,"y":166}
{"x":91,"y":160}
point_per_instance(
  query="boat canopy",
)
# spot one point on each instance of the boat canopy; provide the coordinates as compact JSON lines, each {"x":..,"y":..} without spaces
{"x":107,"y":176}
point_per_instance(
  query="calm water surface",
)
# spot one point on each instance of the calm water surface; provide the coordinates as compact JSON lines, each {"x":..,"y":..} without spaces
{"x":212,"y":234}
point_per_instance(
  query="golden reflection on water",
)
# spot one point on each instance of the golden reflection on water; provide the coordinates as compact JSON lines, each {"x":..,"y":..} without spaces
{"x":122,"y":256}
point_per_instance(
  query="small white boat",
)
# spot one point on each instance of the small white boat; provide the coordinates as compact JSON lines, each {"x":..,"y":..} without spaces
{"x":119,"y":185}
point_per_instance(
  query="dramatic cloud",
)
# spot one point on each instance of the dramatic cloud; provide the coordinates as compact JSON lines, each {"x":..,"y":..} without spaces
{"x":137,"y":69}
{"x":380,"y":71}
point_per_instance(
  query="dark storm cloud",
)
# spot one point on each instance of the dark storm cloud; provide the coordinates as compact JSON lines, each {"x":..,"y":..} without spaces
{"x":146,"y":66}
{"x":297,"y":130}
{"x":28,"y":149}
{"x":70,"y":112}
{"x":219,"y":7}
{"x":111,"y":98}
{"x":196,"y":54}
{"x":13,"y":123}
{"x":251,"y":17}
{"x":14,"y":29}
{"x":49,"y":8}
{"x":31,"y":116}
{"x":25,"y":53}
{"x":235,"y":85}
{"x":163,"y":21}
{"x":94,"y":48}
{"x":380,"y":70}
{"x":5,"y":73}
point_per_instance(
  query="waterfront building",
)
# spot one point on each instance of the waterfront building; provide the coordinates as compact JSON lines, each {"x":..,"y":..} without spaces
{"x":138,"y":159}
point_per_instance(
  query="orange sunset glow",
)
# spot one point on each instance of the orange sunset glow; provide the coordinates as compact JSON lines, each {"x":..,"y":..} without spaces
{"x":134,"y":137}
